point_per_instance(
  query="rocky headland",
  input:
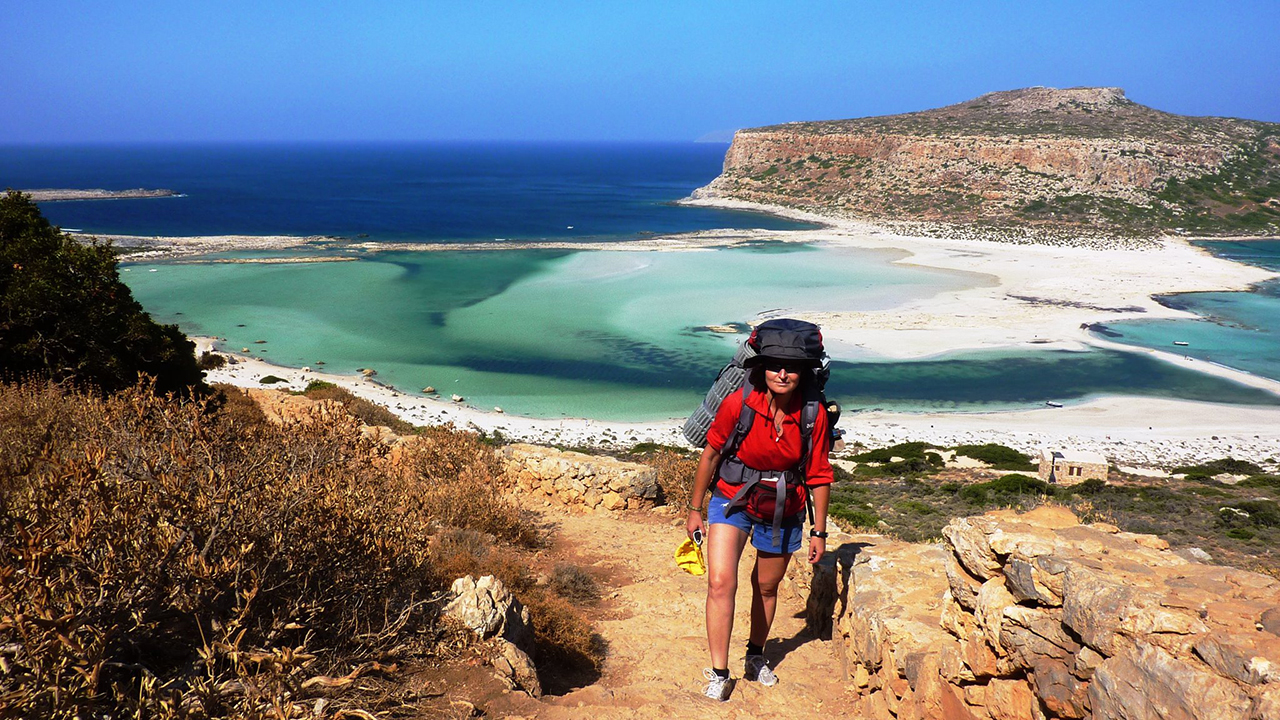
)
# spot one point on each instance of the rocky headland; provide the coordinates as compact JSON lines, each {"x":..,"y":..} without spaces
{"x":1079,"y":160}
{"x":63,"y":194}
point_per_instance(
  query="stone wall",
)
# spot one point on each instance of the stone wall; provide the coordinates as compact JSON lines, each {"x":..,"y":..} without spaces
{"x":577,"y":479}
{"x":1037,"y":616}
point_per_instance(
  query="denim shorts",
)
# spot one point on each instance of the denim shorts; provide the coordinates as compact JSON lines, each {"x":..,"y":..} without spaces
{"x":760,"y":531}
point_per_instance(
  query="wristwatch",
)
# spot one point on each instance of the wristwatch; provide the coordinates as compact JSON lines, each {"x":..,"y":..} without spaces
{"x":818,"y":534}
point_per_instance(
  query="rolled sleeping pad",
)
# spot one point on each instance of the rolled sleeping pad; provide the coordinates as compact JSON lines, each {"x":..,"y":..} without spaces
{"x":727,"y":382}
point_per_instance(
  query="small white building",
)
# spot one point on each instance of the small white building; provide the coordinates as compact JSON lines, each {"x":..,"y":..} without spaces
{"x":1068,"y":467}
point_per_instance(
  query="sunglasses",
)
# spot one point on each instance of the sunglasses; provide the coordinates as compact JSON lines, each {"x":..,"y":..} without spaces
{"x":779,"y":365}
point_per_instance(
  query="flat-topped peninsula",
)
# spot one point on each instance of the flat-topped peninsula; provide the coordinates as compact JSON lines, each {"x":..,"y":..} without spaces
{"x":63,"y":194}
{"x":1077,"y":160}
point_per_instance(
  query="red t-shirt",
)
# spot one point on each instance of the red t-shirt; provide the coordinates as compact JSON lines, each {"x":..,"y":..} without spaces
{"x":762,"y":448}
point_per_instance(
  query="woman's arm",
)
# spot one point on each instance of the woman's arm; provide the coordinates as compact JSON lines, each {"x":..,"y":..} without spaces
{"x":707,"y":465}
{"x":821,"y":495}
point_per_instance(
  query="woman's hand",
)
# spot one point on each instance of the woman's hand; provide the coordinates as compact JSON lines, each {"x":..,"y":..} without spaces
{"x":817,"y":548}
{"x":694,"y":523}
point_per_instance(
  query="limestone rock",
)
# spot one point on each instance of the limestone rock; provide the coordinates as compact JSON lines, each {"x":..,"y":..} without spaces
{"x":1009,"y":700}
{"x":968,"y":539}
{"x":488,"y":609}
{"x":1242,"y":657}
{"x":1147,"y":683}
{"x":1041,"y":617}
{"x":993,"y":599}
{"x":964,"y":587}
{"x":1038,"y":579}
{"x":1062,"y":694}
{"x":515,"y":667}
{"x":577,"y":479}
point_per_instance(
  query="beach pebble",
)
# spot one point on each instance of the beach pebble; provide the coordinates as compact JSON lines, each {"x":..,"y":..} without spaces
{"x":428,"y":390}
{"x":457,"y":398}
{"x":497,"y":409}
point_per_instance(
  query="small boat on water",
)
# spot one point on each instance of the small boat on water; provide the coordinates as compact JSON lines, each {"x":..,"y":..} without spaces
{"x":1052,"y":403}
{"x":1181,"y":343}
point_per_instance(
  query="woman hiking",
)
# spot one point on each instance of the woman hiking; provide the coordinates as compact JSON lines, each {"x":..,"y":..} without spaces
{"x":756,"y":469}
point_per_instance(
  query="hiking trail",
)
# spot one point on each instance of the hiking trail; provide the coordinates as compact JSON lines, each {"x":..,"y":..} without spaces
{"x":652,"y":618}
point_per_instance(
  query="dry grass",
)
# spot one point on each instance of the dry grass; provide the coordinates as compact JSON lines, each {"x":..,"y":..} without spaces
{"x":369,"y":413}
{"x":161,"y":559}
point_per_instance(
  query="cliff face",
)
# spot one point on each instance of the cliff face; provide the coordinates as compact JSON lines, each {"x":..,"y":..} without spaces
{"x":1085,"y":157}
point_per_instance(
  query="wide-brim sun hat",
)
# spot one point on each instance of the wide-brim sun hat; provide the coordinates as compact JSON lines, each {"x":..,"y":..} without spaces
{"x":786,"y":340}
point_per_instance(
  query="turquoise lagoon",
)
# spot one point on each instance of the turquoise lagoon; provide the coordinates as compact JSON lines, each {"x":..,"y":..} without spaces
{"x":613,"y":335}
{"x":1240,"y":330}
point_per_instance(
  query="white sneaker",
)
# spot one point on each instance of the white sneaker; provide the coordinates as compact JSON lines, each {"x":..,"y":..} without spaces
{"x":717,"y":688}
{"x":757,"y":668}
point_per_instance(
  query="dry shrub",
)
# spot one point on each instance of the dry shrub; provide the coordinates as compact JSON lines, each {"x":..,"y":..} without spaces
{"x":368,"y":412}
{"x":675,"y":473}
{"x":570,"y":653}
{"x":456,"y":475}
{"x":575,"y":584}
{"x":238,"y":408}
{"x":158,"y":559}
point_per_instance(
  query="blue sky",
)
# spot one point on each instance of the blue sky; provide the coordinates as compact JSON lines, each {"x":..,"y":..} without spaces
{"x":85,"y":71}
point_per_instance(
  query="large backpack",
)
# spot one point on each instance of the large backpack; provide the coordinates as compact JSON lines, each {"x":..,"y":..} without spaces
{"x":732,"y":378}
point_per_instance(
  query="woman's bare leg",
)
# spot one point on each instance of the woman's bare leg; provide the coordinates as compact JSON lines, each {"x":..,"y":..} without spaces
{"x":724,"y":550}
{"x":765,"y":577}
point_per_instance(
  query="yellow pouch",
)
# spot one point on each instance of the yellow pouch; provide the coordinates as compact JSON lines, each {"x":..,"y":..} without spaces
{"x":689,"y":558}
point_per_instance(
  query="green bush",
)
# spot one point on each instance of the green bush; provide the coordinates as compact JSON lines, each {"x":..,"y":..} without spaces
{"x":909,"y":466}
{"x":914,"y":507}
{"x":1268,"y":482}
{"x":1261,"y":513}
{"x":1239,"y":533}
{"x":855,"y":518}
{"x":271,"y":379}
{"x":1005,"y":490}
{"x":65,"y":315}
{"x":1092,"y":486}
{"x":906,"y":451}
{"x":210,"y":361}
{"x":999,"y":457}
{"x":1217,"y":467}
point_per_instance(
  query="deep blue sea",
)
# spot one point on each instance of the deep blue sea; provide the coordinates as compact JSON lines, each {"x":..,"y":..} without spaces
{"x":403,"y":192}
{"x":601,"y":334}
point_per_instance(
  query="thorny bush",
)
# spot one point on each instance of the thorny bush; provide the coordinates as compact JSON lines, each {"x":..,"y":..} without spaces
{"x":162,"y":559}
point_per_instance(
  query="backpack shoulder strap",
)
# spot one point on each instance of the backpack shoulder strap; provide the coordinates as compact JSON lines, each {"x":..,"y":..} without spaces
{"x":808,"y":420}
{"x":746,"y":416}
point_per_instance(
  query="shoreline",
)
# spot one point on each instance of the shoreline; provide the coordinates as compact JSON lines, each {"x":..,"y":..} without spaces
{"x":1120,"y":427}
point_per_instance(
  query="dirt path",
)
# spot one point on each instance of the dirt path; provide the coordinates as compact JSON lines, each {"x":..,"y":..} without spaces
{"x":654,"y":623}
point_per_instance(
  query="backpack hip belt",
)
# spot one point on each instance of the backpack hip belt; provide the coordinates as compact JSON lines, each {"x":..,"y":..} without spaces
{"x":735,"y":472}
